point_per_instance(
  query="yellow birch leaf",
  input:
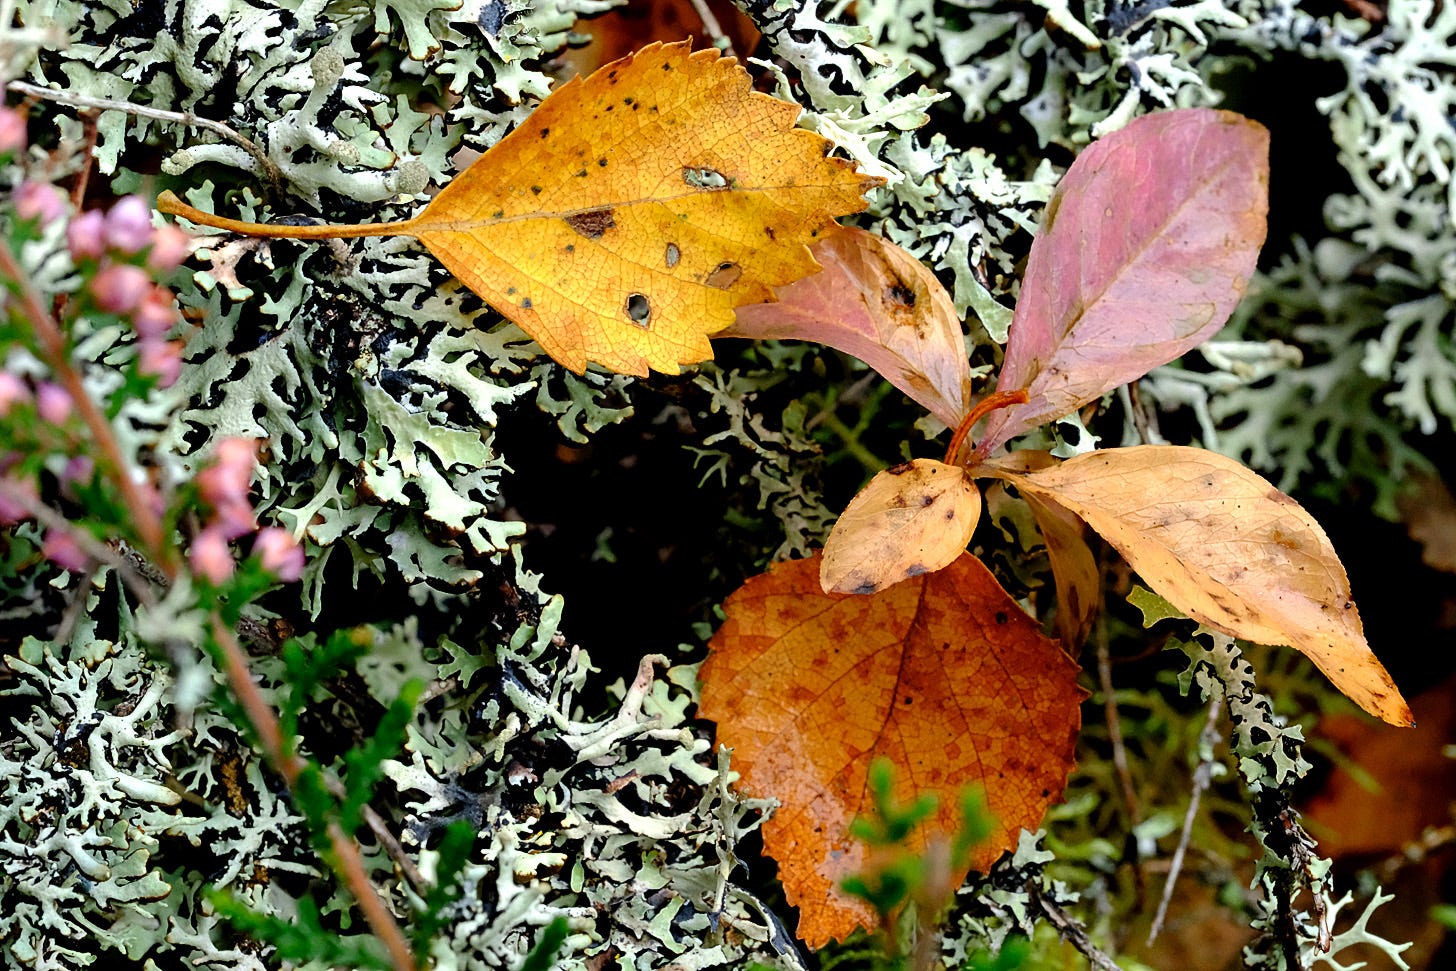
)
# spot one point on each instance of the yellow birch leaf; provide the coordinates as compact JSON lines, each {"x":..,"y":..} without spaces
{"x":912,"y":519}
{"x":631,"y":212}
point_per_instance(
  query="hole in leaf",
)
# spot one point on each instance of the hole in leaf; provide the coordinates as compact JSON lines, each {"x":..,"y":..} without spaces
{"x":639,"y":311}
{"x":704,"y":178}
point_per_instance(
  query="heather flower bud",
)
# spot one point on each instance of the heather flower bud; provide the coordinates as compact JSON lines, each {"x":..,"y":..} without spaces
{"x":210,"y":556}
{"x":86,"y":235}
{"x":120,"y":288}
{"x":39,"y":201}
{"x":53,"y":403}
{"x":13,"y":508}
{"x":279,"y":553}
{"x":170,"y":246}
{"x":61,"y":548}
{"x":160,"y":359}
{"x":79,"y":468}
{"x":13,"y":391}
{"x":156,"y":315}
{"x":12,"y":131}
{"x":129,"y":225}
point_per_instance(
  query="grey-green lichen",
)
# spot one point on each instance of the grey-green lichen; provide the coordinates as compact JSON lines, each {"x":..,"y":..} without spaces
{"x":379,"y":384}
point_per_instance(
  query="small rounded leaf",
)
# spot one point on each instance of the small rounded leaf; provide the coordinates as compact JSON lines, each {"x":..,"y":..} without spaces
{"x":910,"y":520}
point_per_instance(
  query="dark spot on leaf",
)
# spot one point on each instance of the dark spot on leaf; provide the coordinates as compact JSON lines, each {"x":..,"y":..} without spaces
{"x":592,"y":223}
{"x":673,"y":255}
{"x":602,"y":162}
{"x":770,"y":233}
{"x":864,"y":588}
{"x":950,"y":514}
{"x":627,"y":101}
{"x":666,"y":66}
{"x":639,"y":311}
{"x":611,"y":107}
{"x":581,"y":174}
{"x":535,"y":190}
{"x":498,"y":214}
{"x":510,"y":291}
{"x":900,"y":469}
{"x":702,"y":177}
{"x":901,"y":295}
{"x":918,"y":569}
{"x":724,"y":276}
{"x":545,"y":132}
{"x":1002,"y":617}
{"x":926,"y":501}
{"x":571,"y":247}
{"x":525,"y":303}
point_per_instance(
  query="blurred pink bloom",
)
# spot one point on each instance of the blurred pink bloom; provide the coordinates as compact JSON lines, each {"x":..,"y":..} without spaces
{"x":279,"y":554}
{"x":85,"y":235}
{"x":160,"y":359}
{"x":234,"y":519}
{"x":13,"y":391}
{"x":12,"y":131}
{"x":53,"y":403}
{"x":156,"y":315}
{"x":40,"y":201}
{"x":170,"y":247}
{"x":61,"y":548}
{"x":78,"y":469}
{"x":129,"y":225}
{"x":120,"y":288}
{"x":12,"y":510}
{"x":210,"y":556}
{"x":227,"y":478}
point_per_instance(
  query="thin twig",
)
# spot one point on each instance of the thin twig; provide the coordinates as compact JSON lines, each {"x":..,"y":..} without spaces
{"x":1071,"y":930}
{"x":273,"y":173}
{"x":1202,"y":778}
{"x":1114,"y":725}
{"x":712,"y":27}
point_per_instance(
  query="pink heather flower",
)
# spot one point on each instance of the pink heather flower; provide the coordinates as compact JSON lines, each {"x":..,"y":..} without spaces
{"x":156,"y":315}
{"x":119,"y":288}
{"x":234,"y":519}
{"x":11,"y":510}
{"x":61,"y":548}
{"x":13,"y":391}
{"x":279,"y":554}
{"x":53,"y":403}
{"x":78,"y":468}
{"x":85,"y":235}
{"x":12,"y":131}
{"x":129,"y":225}
{"x":40,"y":201}
{"x":160,"y":359}
{"x":170,"y":246}
{"x":210,"y":556}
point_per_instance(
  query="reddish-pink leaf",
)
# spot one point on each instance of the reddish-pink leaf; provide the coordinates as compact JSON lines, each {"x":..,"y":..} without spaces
{"x":875,"y":301}
{"x":1144,"y":251}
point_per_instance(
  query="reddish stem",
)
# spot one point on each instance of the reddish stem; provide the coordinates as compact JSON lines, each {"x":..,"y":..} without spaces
{"x":994,"y":401}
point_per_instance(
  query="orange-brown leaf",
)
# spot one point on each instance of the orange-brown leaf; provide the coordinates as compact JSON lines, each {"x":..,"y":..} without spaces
{"x":912,"y":519}
{"x":1229,"y":550}
{"x":943,"y":674}
{"x":878,"y":302}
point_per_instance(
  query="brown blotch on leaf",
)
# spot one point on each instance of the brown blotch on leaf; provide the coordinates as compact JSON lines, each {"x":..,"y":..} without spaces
{"x":673,"y":255}
{"x":899,"y":295}
{"x":592,"y":223}
{"x":724,"y":276}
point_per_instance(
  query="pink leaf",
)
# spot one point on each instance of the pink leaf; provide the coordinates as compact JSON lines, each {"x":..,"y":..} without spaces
{"x":875,"y":301}
{"x":1144,"y":251}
